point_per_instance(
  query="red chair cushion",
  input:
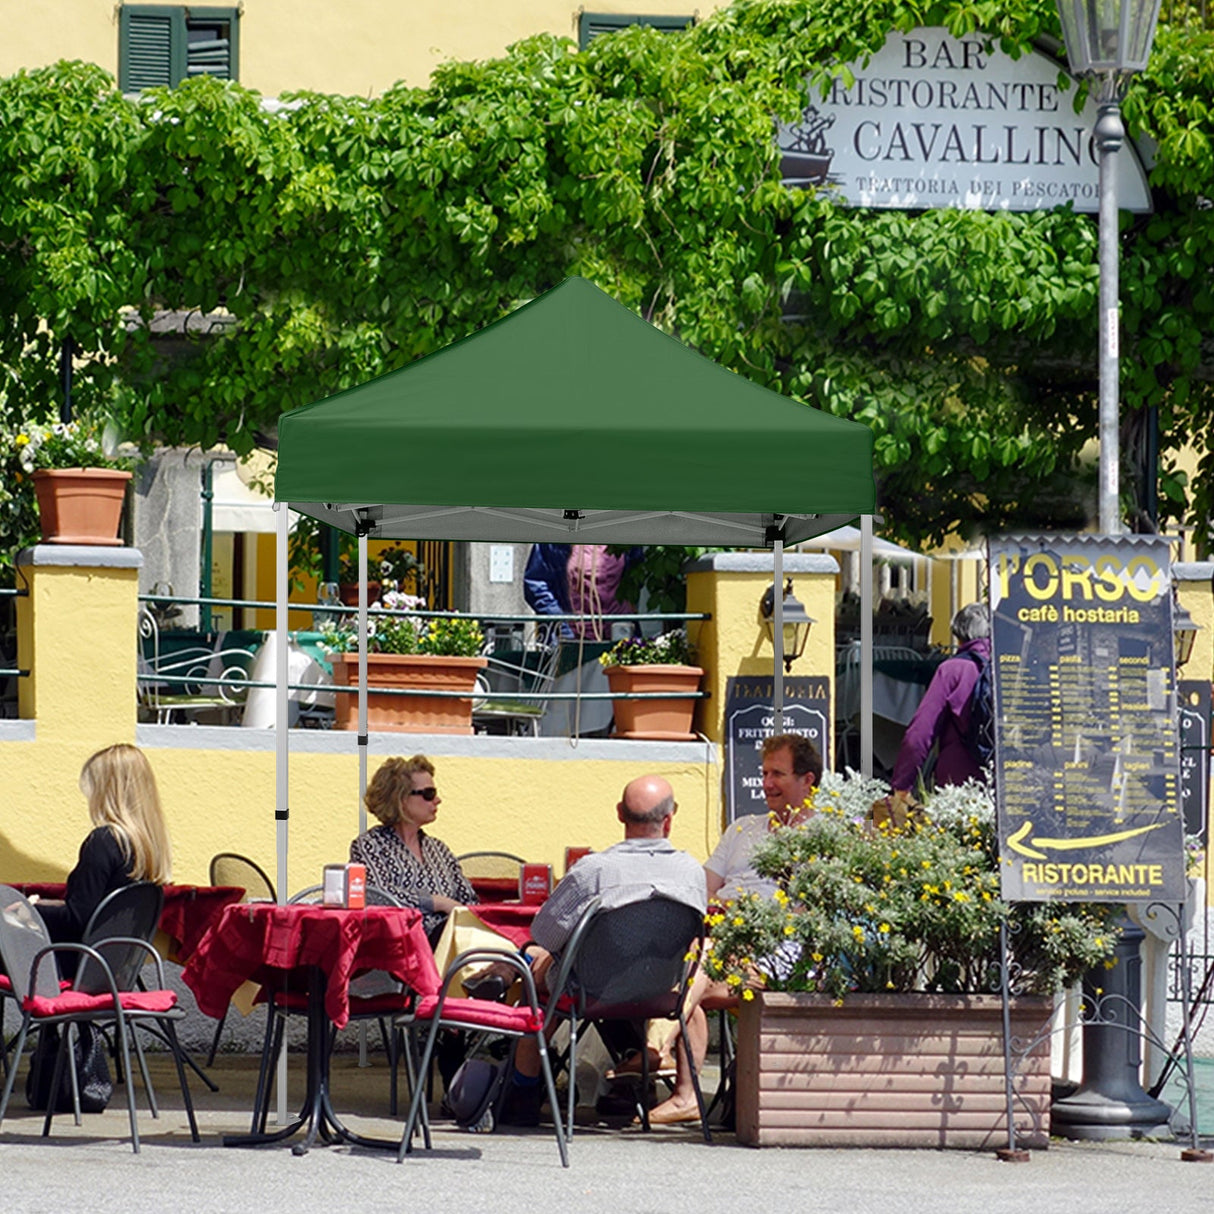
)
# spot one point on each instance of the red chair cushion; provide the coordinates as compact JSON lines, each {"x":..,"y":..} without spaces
{"x":74,"y":1003}
{"x":481,"y":1013}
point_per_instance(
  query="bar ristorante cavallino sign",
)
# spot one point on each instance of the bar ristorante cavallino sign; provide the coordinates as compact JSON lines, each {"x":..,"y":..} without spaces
{"x":1087,"y":756}
{"x":938,"y":121}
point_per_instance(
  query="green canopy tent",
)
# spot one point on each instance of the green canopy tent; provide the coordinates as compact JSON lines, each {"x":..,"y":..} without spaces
{"x":573,"y":419}
{"x":570,"y":419}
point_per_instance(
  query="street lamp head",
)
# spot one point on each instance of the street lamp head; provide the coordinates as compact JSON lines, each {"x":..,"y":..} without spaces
{"x":796,"y":622}
{"x":1108,"y":37}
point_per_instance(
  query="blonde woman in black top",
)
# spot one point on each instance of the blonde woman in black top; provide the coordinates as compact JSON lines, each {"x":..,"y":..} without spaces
{"x":129,"y":841}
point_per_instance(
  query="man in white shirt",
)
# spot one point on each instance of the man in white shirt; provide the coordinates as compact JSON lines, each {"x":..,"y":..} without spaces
{"x":792,"y":768}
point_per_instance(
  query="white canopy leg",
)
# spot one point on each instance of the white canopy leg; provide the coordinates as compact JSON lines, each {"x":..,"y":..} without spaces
{"x":777,"y":622}
{"x":362,"y":727}
{"x":282,"y":677}
{"x":866,"y":645}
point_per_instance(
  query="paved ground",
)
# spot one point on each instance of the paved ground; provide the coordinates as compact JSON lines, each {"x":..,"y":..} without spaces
{"x":615,"y":1169}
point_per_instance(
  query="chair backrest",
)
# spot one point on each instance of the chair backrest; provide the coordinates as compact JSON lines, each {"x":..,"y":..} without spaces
{"x":632,"y":961}
{"x":491,"y":865}
{"x":375,"y":896}
{"x":229,"y":868}
{"x":22,"y":934}
{"x":133,"y":912}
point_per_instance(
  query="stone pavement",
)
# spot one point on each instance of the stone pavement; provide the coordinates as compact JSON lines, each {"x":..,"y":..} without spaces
{"x":614,"y":1169}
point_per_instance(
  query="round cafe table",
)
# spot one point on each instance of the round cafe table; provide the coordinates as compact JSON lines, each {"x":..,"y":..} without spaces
{"x":317,"y":949}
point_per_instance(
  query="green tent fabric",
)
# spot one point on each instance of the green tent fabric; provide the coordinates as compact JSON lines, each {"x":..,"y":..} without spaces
{"x":573,"y":419}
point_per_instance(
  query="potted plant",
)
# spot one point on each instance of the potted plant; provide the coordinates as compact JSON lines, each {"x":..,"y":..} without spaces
{"x":438,"y":653}
{"x":867,"y":1013}
{"x":78,"y":487}
{"x":663,"y":663}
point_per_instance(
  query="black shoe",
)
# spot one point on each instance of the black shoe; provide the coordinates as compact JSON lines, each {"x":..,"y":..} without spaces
{"x":490,"y":986}
{"x":520,"y":1106}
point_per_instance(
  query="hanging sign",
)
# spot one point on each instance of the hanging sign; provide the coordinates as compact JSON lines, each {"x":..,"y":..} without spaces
{"x":750,"y":721}
{"x":934,"y":121}
{"x":1087,"y":755}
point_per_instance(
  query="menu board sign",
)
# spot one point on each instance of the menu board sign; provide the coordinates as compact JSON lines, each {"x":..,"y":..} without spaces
{"x":1195,"y":757}
{"x":1087,"y":753}
{"x":750,"y":721}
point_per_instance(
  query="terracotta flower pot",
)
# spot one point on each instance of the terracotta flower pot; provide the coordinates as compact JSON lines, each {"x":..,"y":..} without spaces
{"x":408,"y":714}
{"x":80,"y":505}
{"x":889,"y":1071}
{"x":348,"y":593}
{"x":659,"y":720}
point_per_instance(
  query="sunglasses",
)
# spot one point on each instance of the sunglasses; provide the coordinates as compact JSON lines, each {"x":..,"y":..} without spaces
{"x":426,"y":794}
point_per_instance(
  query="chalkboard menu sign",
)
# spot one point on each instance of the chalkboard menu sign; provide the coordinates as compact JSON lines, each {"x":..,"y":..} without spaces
{"x":1087,"y":743}
{"x":749,"y":722}
{"x":1195,"y":757}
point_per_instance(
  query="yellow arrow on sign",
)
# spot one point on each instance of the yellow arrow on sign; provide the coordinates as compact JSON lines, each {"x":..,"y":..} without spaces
{"x":1017,"y":841}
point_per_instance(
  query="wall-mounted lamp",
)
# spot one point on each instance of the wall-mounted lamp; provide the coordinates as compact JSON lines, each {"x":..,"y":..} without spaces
{"x":797,"y":622}
{"x":1184,"y":632}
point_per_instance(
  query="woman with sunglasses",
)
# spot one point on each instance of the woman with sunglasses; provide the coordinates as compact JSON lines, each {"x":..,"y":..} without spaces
{"x":399,"y":855}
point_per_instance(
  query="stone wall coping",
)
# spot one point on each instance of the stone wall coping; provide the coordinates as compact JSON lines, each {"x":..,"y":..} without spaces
{"x":87,"y":556}
{"x":762,"y":562}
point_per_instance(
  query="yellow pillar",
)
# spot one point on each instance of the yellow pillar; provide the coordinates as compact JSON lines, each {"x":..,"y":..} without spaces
{"x":730,"y":586}
{"x":76,"y":633}
{"x":1196,"y":593}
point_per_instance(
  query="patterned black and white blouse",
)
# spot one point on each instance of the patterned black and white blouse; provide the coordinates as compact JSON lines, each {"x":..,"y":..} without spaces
{"x":394,"y":868}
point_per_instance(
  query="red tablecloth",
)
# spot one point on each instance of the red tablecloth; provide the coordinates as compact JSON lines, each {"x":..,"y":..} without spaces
{"x":188,"y":914}
{"x":261,"y":941}
{"x":509,"y":919}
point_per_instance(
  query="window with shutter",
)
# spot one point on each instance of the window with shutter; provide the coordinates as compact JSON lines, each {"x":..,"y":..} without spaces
{"x":165,"y":44}
{"x":591,"y":25}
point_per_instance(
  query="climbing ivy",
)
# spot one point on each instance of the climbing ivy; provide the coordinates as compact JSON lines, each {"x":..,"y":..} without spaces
{"x":309,"y":245}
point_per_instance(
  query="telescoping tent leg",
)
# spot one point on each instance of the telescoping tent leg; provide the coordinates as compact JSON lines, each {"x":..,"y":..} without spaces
{"x":866,"y":646}
{"x":281,"y":745}
{"x":362,"y":726}
{"x":777,"y":639}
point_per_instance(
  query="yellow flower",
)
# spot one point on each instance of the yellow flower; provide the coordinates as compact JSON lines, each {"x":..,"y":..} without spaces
{"x":22,"y":440}
{"x":733,"y":980}
{"x":738,"y":921}
{"x":789,"y":930}
{"x":816,"y":956}
{"x":858,"y":932}
{"x":748,"y":995}
{"x":884,"y":928}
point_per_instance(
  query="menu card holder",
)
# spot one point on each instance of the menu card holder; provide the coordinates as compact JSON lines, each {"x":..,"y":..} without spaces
{"x":345,"y":885}
{"x":534,"y":882}
{"x":574,"y":854}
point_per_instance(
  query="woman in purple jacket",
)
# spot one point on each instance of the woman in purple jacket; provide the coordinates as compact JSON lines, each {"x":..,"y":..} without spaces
{"x":943,"y":715}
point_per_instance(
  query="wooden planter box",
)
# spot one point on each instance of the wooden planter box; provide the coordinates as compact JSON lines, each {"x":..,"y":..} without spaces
{"x":889,"y":1071}
{"x":407,"y":714}
{"x":660,"y":720}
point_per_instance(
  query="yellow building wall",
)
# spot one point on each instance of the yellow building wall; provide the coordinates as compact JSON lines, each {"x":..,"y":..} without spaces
{"x":534,"y":797}
{"x":356,"y":47}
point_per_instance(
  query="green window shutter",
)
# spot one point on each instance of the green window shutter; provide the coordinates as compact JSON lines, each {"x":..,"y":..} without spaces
{"x":150,"y":47}
{"x":165,"y":44}
{"x":591,"y":25}
{"x":212,"y":43}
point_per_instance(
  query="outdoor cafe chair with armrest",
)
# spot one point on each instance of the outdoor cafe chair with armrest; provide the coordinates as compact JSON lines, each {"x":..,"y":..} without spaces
{"x":479,"y":1016}
{"x":493,"y":874}
{"x":98,"y":995}
{"x":632,"y":963}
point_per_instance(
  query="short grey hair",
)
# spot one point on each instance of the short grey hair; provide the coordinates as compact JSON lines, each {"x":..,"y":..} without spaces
{"x":971,"y":622}
{"x":654,"y":816}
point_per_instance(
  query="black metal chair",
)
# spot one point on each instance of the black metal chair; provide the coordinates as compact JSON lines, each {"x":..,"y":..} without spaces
{"x":631,"y":963}
{"x":104,"y":991}
{"x":230,"y":868}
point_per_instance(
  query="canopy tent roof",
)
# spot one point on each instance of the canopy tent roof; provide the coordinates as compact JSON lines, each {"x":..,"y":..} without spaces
{"x":573,"y":419}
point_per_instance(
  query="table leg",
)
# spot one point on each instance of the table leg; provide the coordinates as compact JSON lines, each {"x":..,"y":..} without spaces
{"x":316,"y":1116}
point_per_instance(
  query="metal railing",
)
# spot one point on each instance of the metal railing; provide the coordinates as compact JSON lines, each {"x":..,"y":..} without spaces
{"x":325,"y":612}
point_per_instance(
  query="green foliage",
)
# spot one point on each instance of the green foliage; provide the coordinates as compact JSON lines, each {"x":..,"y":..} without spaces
{"x":865,"y":908}
{"x":392,"y":628}
{"x":659,"y":574}
{"x":668,"y":649}
{"x":330,"y":240}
